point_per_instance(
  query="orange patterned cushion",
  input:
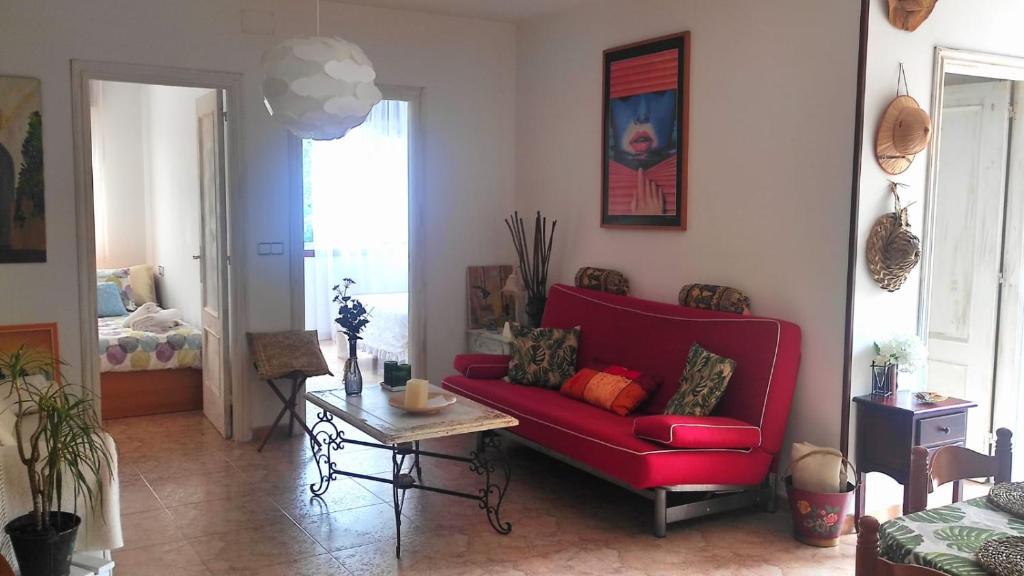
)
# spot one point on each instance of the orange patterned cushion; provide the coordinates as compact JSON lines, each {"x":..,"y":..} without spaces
{"x":613,"y":388}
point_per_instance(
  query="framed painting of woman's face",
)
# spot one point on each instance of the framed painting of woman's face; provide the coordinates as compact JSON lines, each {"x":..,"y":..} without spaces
{"x":645,"y":125}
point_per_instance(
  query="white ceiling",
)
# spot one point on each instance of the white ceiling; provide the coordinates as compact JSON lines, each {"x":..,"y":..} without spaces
{"x":505,"y":10}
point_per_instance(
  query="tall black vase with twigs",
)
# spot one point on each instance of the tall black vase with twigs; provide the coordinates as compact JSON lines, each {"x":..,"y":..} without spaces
{"x":533,"y":261}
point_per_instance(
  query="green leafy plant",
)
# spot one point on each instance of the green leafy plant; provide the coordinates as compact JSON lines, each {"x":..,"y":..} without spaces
{"x":352,"y":314}
{"x":57,"y":431}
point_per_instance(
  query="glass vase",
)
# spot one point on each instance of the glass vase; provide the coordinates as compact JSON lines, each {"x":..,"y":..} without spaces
{"x":351,"y":376}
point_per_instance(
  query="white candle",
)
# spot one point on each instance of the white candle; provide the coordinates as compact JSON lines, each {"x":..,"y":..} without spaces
{"x":416,"y":393}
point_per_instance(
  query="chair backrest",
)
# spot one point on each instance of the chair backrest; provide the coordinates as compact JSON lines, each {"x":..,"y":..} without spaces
{"x":955,"y":464}
{"x":870,"y":564}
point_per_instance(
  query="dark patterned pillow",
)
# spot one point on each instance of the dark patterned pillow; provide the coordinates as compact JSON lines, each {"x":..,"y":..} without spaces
{"x":544,"y":357}
{"x":702,"y":384}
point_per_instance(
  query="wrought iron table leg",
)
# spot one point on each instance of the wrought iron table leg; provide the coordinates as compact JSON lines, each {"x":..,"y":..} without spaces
{"x":488,"y":460}
{"x":325,"y":438}
{"x":399,"y":483}
{"x":416,"y":463}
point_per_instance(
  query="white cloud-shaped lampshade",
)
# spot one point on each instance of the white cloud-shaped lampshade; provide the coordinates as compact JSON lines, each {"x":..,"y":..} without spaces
{"x":319,"y":87}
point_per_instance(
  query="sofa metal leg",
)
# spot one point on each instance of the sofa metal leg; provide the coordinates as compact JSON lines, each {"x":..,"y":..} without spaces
{"x":772,"y":501}
{"x":660,"y":511}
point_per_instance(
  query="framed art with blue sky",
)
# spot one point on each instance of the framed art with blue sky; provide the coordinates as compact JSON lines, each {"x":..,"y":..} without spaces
{"x":645,"y":125}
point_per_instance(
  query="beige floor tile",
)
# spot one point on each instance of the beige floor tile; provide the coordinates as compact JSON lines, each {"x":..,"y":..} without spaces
{"x":136,"y":496}
{"x":353,"y":528}
{"x":219,"y":516}
{"x":323,"y":565}
{"x":147,"y":528}
{"x":176,"y":559}
{"x":244,"y":551}
{"x":343,"y":494}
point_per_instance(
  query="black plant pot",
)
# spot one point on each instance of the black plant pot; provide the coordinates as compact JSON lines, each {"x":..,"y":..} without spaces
{"x":44,"y":554}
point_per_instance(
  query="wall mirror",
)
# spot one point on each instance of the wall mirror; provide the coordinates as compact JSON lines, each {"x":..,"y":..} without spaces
{"x":972,"y":301}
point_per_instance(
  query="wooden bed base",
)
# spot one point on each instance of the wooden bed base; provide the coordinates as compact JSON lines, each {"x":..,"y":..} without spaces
{"x":125,"y":394}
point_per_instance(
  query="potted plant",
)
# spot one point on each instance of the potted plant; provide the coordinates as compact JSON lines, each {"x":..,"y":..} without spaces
{"x":59,"y":442}
{"x":901,"y":353}
{"x":533,"y":262}
{"x":352,"y":318}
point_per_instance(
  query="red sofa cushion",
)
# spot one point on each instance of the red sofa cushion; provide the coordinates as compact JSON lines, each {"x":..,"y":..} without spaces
{"x":605,"y":441}
{"x":484,"y":366}
{"x":655,"y":338}
{"x":697,"y":431}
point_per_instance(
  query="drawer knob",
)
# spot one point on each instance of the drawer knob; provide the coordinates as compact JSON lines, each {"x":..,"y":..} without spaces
{"x":944,"y":429}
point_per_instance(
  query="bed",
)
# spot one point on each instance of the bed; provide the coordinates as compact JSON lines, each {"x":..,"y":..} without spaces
{"x":145,"y":373}
{"x":386,"y":337}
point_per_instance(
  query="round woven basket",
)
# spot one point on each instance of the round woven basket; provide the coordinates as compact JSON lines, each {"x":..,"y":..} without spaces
{"x":893,"y":250}
{"x":1002,"y":556}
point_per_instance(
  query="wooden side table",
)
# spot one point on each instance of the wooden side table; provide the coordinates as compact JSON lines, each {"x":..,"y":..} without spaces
{"x":888,"y":427}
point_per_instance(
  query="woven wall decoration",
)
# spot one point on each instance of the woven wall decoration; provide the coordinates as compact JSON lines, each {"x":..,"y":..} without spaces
{"x":892,"y":250}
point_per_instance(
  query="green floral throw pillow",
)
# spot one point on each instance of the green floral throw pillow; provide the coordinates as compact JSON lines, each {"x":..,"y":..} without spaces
{"x":544,"y":357}
{"x":702,"y":384}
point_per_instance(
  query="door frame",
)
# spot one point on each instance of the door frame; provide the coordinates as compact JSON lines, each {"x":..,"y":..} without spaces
{"x":84,"y":71}
{"x":417,"y":269}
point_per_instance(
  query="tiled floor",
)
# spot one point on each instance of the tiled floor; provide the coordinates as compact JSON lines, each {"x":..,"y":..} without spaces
{"x":194,"y":504}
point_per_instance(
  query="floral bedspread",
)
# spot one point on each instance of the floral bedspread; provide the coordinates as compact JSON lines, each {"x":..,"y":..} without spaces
{"x":947,"y":538}
{"x":125,"y":350}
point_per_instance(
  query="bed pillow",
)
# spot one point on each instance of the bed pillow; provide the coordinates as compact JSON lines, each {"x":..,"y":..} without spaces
{"x":702,"y":384}
{"x":120,"y":277}
{"x":143,"y":287}
{"x":613,"y":388}
{"x":544,"y":357}
{"x":108,"y":300}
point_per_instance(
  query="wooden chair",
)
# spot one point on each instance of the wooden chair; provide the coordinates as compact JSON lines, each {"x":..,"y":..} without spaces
{"x":948,"y":464}
{"x":956,"y":464}
{"x":870,"y":564}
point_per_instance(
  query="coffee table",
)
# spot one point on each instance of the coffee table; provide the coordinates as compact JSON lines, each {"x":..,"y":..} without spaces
{"x":401,"y":433}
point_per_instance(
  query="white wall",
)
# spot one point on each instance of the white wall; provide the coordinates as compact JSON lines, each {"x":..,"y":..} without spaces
{"x":467,"y":69}
{"x":772,"y":114}
{"x":124,"y":176}
{"x":953,"y":24}
{"x":173,"y":190}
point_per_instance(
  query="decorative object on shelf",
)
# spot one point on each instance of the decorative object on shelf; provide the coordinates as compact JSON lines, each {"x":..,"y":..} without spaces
{"x":352,"y":318}
{"x":291,"y":355}
{"x":515,"y":289}
{"x":319,"y":87}
{"x":644,"y":137}
{"x":712,"y":297}
{"x":489,"y":341}
{"x":22,"y":206}
{"x":903,"y":132}
{"x":901,"y":353}
{"x":533,"y":263}
{"x":61,"y":445}
{"x":602,"y":279}
{"x":929,"y":397}
{"x":892,"y":249}
{"x":488,"y":304}
{"x":910,"y":14}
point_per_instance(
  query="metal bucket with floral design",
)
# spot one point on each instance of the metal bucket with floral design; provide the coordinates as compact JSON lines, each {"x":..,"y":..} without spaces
{"x":818,"y":516}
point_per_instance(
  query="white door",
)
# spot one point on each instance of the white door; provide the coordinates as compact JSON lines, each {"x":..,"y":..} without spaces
{"x":966,"y":258}
{"x":214,"y":261}
{"x":1009,"y":394}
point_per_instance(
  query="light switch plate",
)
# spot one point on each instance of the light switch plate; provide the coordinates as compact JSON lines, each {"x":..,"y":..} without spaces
{"x":263,"y":249}
{"x":277,"y":248}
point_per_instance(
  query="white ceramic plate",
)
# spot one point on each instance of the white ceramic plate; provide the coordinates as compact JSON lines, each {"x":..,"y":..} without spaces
{"x":436,"y":401}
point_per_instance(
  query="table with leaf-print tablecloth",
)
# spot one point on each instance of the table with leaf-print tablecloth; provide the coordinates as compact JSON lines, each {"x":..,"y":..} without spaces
{"x":947,"y":538}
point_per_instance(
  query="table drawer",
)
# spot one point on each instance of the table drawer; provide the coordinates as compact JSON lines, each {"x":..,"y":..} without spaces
{"x":941,"y":429}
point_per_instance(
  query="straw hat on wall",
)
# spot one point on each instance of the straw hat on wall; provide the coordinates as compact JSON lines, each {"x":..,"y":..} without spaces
{"x":909,"y":14}
{"x":904,"y":131}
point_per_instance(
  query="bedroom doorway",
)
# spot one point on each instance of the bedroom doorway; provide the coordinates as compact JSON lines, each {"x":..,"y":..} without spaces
{"x":358,"y":222}
{"x":158,"y":286}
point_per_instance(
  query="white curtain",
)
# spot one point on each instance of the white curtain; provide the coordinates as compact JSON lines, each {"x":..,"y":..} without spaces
{"x":99,"y":186}
{"x":359,"y":219}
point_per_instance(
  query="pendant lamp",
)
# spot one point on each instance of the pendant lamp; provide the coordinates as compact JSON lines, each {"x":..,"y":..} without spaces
{"x":319,"y":87}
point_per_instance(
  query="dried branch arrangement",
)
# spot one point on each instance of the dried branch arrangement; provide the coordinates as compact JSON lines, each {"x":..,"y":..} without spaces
{"x":533,"y":263}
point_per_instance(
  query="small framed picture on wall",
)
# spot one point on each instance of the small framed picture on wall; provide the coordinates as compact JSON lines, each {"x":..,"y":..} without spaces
{"x":644,"y":136}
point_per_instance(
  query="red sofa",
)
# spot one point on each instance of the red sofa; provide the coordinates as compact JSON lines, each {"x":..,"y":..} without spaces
{"x":727,"y":459}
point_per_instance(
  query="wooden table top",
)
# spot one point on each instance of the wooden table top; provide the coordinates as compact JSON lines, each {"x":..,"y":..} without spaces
{"x":371,"y":413}
{"x":904,"y":400}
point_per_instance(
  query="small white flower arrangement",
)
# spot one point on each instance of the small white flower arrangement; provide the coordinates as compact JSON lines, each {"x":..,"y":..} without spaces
{"x":905,"y":350}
